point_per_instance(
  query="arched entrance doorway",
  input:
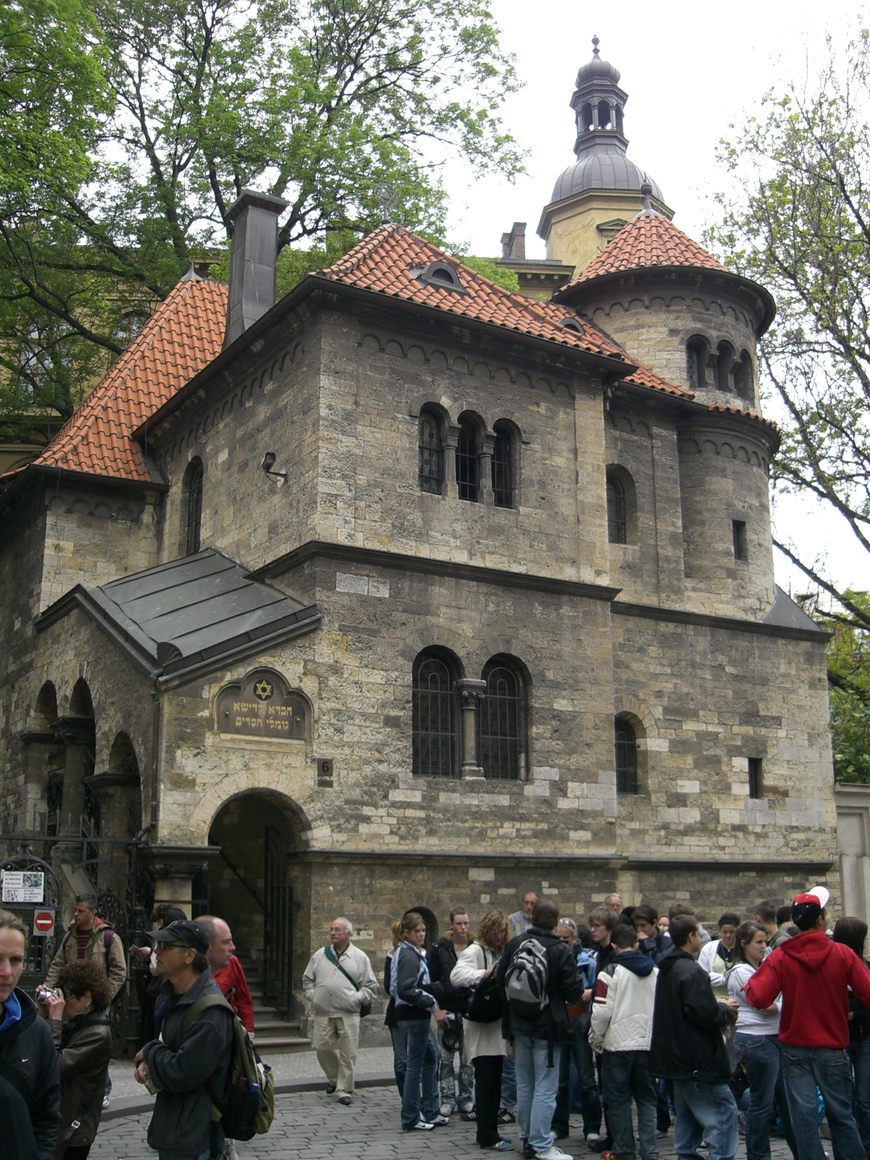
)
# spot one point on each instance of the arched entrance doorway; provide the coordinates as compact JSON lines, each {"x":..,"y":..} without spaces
{"x":259,"y":885}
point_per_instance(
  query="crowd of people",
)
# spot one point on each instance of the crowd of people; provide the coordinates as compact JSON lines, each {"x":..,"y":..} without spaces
{"x":640,"y":1024}
{"x":55,"y":1048}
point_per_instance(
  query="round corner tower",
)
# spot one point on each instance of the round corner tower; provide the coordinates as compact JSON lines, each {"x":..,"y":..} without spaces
{"x":680,"y":312}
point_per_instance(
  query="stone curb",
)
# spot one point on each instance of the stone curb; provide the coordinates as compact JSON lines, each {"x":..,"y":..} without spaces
{"x":133,"y":1106}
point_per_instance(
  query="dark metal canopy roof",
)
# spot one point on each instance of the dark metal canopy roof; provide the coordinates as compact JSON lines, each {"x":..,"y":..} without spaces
{"x":192,"y":614}
{"x":786,"y":613}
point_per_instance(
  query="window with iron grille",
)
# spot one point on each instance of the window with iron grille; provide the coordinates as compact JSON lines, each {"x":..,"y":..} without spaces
{"x":502,"y":468}
{"x":430,"y":472}
{"x":434,"y":718}
{"x":192,"y":506}
{"x":617,"y":532}
{"x":625,"y":744}
{"x":501,"y":723}
{"x":467,"y":466}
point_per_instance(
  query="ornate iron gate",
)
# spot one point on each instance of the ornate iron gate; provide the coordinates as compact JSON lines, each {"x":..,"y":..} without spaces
{"x":39,"y":949}
{"x":277,"y":923}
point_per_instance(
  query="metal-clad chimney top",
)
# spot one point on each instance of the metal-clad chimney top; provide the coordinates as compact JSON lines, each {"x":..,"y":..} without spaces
{"x":253,"y":258}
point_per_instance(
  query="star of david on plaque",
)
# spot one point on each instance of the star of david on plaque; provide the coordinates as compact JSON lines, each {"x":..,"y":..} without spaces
{"x":263,"y":690}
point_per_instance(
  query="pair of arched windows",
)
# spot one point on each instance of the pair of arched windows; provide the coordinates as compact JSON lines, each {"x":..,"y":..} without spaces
{"x":478,"y":461}
{"x":496,"y":746}
{"x":729,"y":372}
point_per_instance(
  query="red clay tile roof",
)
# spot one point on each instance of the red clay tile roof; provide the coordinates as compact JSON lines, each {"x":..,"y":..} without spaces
{"x":186,"y":332}
{"x":390,"y":260}
{"x":647,"y":240}
{"x":182,"y":336}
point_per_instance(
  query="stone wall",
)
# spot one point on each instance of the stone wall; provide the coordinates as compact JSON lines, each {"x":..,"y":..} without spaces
{"x":94,"y":534}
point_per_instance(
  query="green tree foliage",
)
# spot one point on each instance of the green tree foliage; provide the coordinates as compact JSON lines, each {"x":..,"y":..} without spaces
{"x":849,"y":684}
{"x":343,"y":107}
{"x":797,"y":220}
{"x":52,"y":96}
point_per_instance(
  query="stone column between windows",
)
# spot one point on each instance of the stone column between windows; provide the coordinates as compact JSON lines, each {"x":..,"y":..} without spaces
{"x":485,"y":448}
{"x":451,"y":443}
{"x":471,"y":693}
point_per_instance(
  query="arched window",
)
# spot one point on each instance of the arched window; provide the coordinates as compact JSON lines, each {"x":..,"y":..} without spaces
{"x":430,"y":470}
{"x":467,"y":465}
{"x":697,"y":354}
{"x":502,"y":735}
{"x":625,"y":745}
{"x":743,"y":377}
{"x":603,"y":115}
{"x":725,"y":365}
{"x":621,"y":506}
{"x":435,"y":725}
{"x":503,"y":466}
{"x":616,"y":532}
{"x":192,"y":520}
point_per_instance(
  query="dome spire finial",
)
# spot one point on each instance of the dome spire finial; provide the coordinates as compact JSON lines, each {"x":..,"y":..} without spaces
{"x":595,"y":44}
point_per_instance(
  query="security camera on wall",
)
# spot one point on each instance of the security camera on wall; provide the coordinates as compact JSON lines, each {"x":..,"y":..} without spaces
{"x":268,"y":464}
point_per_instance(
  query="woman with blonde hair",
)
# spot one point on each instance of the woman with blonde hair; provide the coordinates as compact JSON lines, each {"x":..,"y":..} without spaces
{"x":411,"y":989}
{"x":484,"y":1044}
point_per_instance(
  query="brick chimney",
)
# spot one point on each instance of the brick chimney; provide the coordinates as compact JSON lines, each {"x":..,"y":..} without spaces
{"x":513,"y":244}
{"x":253,"y":255}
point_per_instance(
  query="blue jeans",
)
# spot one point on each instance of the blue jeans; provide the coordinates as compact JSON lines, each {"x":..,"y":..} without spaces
{"x":804,"y":1069}
{"x":761,"y":1059}
{"x":859,"y":1053}
{"x":625,"y":1076}
{"x":400,"y":1057}
{"x":421,"y":1071}
{"x":508,"y":1084}
{"x":580,"y":1053}
{"x":537,"y":1085}
{"x":705,"y":1111}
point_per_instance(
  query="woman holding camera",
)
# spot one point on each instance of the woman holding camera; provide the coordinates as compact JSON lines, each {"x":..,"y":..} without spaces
{"x":80,"y":1028}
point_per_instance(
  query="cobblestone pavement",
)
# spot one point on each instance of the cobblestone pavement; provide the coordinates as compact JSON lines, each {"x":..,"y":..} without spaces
{"x":308,"y":1123}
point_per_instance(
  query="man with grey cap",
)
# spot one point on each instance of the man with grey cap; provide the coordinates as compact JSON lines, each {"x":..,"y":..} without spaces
{"x":814,"y":974}
{"x":187,"y":1069}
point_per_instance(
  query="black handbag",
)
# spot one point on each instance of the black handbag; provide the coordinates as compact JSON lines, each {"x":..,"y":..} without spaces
{"x":486,"y":1001}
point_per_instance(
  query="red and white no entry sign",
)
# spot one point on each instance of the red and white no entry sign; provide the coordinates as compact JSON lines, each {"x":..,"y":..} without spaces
{"x":43,"y":922}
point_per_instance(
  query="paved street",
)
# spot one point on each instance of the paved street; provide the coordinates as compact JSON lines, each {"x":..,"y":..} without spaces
{"x":308,"y":1123}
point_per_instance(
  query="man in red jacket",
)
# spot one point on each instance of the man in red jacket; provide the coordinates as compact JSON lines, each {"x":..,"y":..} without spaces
{"x":814,"y":975}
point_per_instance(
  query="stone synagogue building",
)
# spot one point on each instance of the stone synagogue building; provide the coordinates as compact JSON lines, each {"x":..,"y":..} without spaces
{"x":406,"y":590}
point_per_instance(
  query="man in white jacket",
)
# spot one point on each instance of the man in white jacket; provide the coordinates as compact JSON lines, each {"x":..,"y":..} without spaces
{"x":338,"y":980}
{"x":620,"y":1031}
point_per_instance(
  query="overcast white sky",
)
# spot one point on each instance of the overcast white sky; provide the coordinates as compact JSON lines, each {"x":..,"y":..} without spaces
{"x":690,"y":70}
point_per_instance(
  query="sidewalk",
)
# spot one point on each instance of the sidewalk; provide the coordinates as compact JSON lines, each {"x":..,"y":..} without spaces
{"x":308,"y":1123}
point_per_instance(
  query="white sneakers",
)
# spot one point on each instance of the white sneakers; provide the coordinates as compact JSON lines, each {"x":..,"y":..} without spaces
{"x":553,"y":1153}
